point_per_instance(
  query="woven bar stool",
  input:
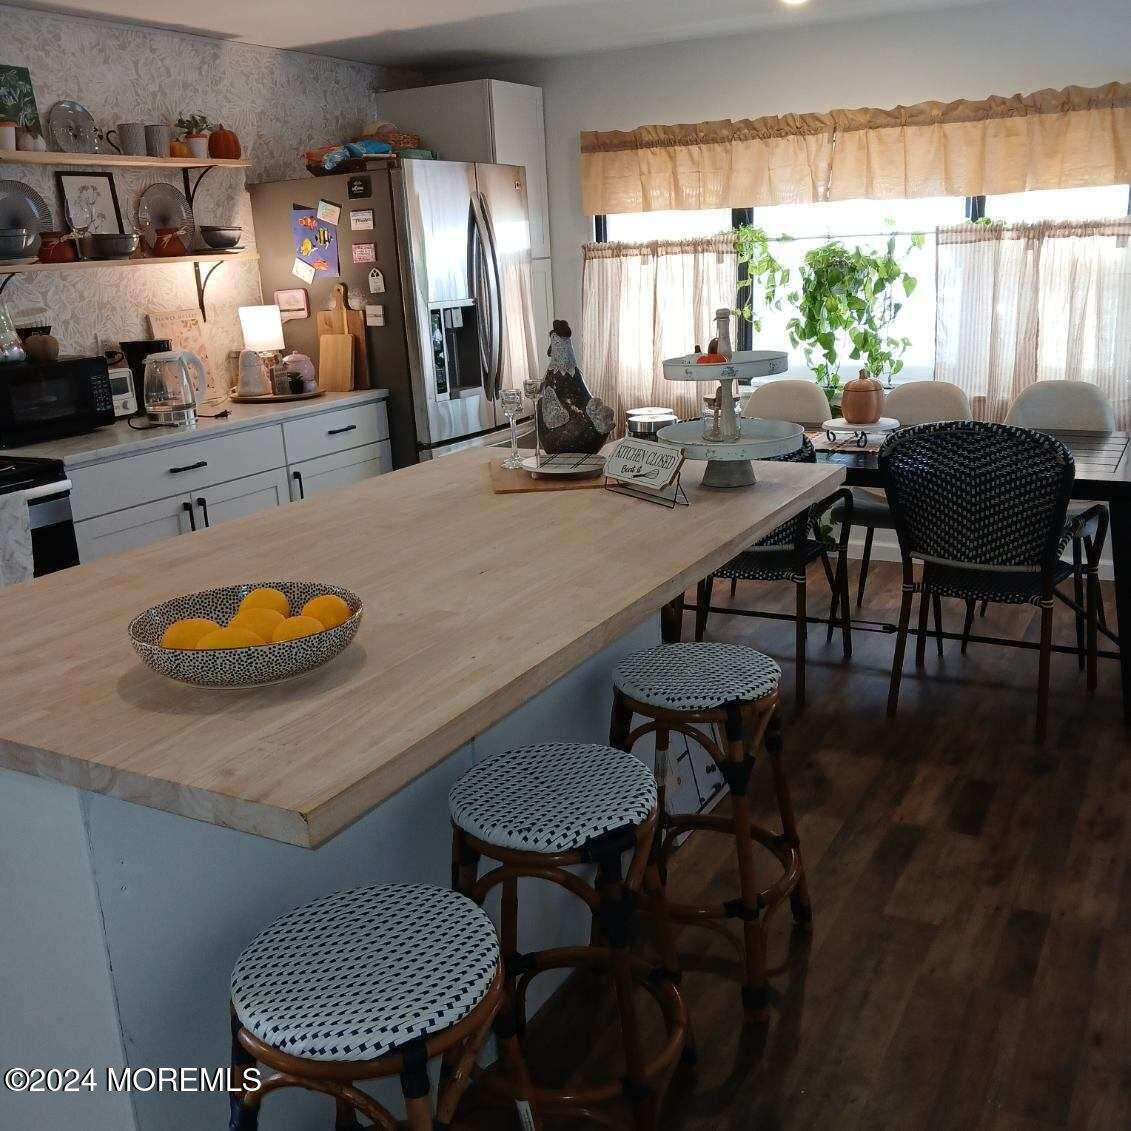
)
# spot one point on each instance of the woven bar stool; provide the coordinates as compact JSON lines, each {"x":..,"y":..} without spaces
{"x":725,"y":697}
{"x":534,"y":812}
{"x":365,"y":984}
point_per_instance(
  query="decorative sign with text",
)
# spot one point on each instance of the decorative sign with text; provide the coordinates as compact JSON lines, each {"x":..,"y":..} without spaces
{"x":644,"y":464}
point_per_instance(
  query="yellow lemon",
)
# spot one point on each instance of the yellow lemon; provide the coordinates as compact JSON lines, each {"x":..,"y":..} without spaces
{"x":185,"y":633}
{"x":327,"y":608}
{"x":229,"y":638}
{"x":262,"y":622}
{"x":294,"y":627}
{"x":267,"y":598}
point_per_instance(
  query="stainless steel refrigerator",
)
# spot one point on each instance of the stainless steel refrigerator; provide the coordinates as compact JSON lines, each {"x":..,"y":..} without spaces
{"x":452,"y":246}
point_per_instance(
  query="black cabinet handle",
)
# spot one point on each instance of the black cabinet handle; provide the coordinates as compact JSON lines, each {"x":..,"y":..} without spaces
{"x":339,"y":431}
{"x":297,"y":477}
{"x":189,"y":467}
{"x":191,"y":515}
{"x":202,"y":502}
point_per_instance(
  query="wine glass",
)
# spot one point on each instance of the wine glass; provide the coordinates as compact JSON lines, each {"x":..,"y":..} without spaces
{"x":533,"y":389}
{"x":511,"y":402}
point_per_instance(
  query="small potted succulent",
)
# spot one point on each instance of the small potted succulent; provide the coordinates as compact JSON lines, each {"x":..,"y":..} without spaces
{"x":196,"y":128}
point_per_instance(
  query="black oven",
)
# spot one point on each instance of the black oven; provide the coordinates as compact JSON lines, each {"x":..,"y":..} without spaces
{"x":44,"y":487}
{"x":56,"y":398}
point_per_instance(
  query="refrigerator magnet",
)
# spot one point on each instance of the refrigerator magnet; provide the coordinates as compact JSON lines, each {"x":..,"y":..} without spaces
{"x":359,"y":187}
{"x":376,"y":282}
{"x":292,"y":303}
{"x":361,"y":220}
{"x":364,"y":253}
{"x":302,"y":270}
{"x":329,"y":213}
{"x":374,"y":314}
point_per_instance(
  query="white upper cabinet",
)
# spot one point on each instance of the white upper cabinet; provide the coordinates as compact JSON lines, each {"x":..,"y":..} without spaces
{"x":484,"y":120}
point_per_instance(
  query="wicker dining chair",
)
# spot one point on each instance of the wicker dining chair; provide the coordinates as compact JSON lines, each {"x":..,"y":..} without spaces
{"x":981,"y":509}
{"x":785,"y":554}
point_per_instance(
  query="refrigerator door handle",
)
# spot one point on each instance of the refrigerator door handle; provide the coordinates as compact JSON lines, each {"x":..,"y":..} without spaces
{"x":492,"y":250}
{"x":492,"y":308}
{"x":475,"y":277}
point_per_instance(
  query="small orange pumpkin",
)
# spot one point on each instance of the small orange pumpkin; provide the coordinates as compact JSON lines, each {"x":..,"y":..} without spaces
{"x":224,"y":144}
{"x":711,"y":359}
{"x":179,"y":149}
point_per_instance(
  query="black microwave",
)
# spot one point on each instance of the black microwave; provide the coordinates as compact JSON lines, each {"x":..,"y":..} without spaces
{"x":56,"y":398}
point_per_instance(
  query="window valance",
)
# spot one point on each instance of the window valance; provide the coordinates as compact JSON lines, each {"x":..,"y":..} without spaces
{"x":1052,"y":139}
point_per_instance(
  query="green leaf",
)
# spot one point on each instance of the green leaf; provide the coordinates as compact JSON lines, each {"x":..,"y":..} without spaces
{"x":909,"y":285}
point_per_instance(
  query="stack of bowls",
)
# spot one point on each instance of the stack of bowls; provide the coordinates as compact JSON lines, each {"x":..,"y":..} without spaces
{"x":111,"y":246}
{"x":220,"y":239}
{"x":18,"y":243}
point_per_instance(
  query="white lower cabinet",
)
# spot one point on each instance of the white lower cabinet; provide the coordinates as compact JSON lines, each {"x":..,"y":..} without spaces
{"x":133,"y":527}
{"x":241,"y":497}
{"x":202,"y":501}
{"x":314,"y":475}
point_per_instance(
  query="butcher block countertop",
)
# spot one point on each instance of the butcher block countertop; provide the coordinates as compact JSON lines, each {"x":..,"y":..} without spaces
{"x":474,"y":602}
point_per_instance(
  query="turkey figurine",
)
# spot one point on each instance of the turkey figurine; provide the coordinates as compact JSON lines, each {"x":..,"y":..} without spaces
{"x":570,"y":417}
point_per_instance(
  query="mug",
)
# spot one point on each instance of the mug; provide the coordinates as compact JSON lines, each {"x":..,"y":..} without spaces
{"x":130,"y":138}
{"x":157,"y":140}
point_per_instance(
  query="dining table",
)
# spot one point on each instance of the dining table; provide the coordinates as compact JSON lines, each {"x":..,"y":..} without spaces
{"x":1103,"y":474}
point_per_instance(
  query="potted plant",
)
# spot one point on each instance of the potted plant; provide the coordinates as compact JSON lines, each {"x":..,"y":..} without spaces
{"x":846,"y":301}
{"x":196,"y":129}
{"x":760,"y":275}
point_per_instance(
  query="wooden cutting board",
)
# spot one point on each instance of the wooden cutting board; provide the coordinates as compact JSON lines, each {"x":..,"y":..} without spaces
{"x":513,"y":480}
{"x":335,"y":323}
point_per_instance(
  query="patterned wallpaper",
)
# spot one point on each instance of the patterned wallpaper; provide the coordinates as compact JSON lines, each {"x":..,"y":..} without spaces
{"x":278,"y":102}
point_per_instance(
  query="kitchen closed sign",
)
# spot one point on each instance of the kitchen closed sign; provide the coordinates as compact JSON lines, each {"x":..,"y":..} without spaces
{"x":644,"y":463}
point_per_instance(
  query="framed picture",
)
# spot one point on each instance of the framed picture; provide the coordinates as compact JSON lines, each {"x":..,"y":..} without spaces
{"x":17,"y":99}
{"x":90,"y":197}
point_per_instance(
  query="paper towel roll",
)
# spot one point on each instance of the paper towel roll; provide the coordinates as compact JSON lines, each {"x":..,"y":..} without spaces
{"x":16,"y":560}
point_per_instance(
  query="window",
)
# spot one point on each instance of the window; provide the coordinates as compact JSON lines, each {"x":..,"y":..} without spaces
{"x":798,"y":228}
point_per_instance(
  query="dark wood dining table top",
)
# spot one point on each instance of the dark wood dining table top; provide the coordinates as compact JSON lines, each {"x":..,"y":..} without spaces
{"x":1103,"y":463}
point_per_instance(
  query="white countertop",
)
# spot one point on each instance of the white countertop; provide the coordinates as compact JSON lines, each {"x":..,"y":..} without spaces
{"x":120,"y":439}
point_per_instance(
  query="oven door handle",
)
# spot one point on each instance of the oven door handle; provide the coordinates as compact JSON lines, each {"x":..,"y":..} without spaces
{"x":59,"y":487}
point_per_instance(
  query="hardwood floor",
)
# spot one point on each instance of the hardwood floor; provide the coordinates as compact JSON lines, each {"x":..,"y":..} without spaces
{"x":969,"y":964}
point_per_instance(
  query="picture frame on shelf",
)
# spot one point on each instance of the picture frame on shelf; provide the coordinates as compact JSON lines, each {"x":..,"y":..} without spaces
{"x":17,"y":99}
{"x":93,"y":194}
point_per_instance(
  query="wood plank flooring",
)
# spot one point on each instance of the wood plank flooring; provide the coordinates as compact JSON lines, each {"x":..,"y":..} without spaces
{"x":969,"y":965}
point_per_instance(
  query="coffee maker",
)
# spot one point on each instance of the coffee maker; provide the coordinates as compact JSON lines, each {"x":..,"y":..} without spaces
{"x":134,"y":354}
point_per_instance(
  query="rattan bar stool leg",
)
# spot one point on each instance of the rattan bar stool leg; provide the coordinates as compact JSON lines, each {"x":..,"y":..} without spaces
{"x":798,"y":898}
{"x":345,"y":1118}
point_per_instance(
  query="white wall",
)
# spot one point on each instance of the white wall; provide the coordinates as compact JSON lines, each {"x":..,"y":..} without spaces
{"x":1016,"y":46}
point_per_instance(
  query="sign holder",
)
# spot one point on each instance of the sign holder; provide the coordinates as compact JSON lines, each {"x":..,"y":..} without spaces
{"x":645,"y":469}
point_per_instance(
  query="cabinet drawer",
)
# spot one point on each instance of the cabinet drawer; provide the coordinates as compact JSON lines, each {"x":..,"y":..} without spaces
{"x":339,"y":469}
{"x":173,"y":470}
{"x":328,"y":432}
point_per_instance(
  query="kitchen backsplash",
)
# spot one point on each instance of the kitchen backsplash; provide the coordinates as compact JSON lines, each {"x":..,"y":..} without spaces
{"x":278,"y":102}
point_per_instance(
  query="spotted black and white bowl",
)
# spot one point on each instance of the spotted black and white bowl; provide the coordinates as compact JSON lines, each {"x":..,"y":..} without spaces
{"x":240,"y":667}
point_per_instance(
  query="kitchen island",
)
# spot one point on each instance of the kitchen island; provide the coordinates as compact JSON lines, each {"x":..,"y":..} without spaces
{"x":490,"y":620}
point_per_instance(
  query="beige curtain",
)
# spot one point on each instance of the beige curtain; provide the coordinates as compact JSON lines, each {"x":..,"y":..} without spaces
{"x":643,"y":303}
{"x":1052,"y":139}
{"x":1019,"y":303}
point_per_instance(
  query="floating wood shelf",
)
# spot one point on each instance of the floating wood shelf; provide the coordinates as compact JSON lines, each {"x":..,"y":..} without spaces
{"x":153,"y":261}
{"x":118,"y":160}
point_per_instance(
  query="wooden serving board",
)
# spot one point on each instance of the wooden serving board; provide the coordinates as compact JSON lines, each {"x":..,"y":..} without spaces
{"x":513,"y":481}
{"x":331,"y":322}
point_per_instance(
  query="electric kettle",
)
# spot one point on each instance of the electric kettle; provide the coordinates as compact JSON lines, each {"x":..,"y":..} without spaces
{"x":174,"y":385}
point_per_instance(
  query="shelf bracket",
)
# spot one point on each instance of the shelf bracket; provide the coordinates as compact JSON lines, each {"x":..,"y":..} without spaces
{"x":202,"y":284}
{"x":191,"y":187}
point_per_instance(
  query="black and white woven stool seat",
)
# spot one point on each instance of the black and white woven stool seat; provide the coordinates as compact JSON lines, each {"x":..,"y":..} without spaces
{"x":696,"y":676}
{"x":553,"y":796}
{"x":357,"y":974}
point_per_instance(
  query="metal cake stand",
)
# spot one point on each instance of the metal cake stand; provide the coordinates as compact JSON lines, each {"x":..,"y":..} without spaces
{"x":728,"y":462}
{"x":838,"y":429}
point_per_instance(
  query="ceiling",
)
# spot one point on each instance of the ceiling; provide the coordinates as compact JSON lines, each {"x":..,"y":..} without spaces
{"x":447,"y":33}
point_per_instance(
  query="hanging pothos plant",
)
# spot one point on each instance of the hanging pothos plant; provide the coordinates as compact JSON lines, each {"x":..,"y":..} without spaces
{"x":847,"y":299}
{"x":760,"y":275}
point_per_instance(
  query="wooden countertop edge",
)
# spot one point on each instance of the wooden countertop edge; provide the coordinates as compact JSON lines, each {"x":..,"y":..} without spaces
{"x":332,"y":817}
{"x":237,"y":814}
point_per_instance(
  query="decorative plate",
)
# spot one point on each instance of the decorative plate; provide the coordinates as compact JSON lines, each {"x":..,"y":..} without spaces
{"x":22,"y":207}
{"x":565,"y":463}
{"x":160,"y":205}
{"x":72,"y":128}
{"x":239,"y":667}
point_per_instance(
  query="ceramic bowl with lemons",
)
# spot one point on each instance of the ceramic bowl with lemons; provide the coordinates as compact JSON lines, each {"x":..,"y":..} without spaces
{"x":246,"y":635}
